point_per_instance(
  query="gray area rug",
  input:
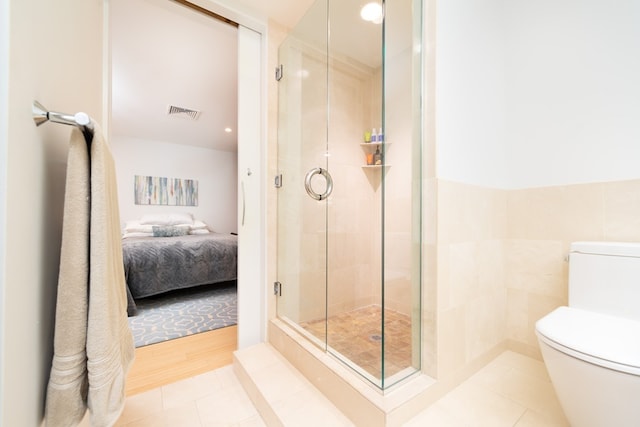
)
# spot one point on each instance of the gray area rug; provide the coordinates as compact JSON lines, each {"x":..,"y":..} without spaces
{"x":184,"y":312}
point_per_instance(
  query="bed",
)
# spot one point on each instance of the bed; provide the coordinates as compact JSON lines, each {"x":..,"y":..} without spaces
{"x":162,"y":262}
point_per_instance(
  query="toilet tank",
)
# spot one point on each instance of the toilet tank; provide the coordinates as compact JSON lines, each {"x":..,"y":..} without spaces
{"x":604,"y":277}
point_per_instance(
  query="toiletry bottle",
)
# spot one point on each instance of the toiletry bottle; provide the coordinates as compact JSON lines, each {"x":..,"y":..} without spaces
{"x":377,"y":157}
{"x":369,"y":158}
{"x":380,"y":136}
{"x":374,"y":136}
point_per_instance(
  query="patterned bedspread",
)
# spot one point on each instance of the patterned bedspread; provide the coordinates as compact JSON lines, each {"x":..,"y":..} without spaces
{"x":153,"y":265}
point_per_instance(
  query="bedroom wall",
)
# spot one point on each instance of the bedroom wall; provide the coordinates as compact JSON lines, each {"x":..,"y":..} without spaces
{"x":215,"y":171}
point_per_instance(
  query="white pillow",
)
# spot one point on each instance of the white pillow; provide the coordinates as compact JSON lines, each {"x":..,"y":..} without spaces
{"x":198,"y":225}
{"x":199,"y":231}
{"x":136,"y":234}
{"x":167,"y":219}
{"x":136,"y":227}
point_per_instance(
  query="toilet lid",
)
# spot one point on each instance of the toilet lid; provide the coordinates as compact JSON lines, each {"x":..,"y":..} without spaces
{"x":597,"y":338}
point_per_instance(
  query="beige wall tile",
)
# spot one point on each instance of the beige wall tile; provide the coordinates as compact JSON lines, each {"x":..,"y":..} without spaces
{"x":571,"y":212}
{"x":537,"y":266}
{"x":486,"y":326}
{"x":451,"y":344}
{"x":491,"y":265}
{"x":516,"y":241}
{"x":517,"y":315}
{"x":622,"y":211}
{"x":539,"y":306}
{"x":429,"y":307}
{"x":463,"y":273}
{"x":442,"y":279}
{"x":470,"y":213}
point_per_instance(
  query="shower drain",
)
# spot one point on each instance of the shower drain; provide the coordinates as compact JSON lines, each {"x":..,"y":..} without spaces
{"x":375,"y":337}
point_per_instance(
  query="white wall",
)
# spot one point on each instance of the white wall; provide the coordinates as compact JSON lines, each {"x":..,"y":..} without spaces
{"x":471,"y":92}
{"x":538,"y":93}
{"x":573,"y":91}
{"x":54,"y":56}
{"x":215,"y":171}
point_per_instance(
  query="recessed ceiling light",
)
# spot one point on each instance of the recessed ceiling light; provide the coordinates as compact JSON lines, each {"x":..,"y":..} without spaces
{"x":372,"y":12}
{"x":227,"y":130}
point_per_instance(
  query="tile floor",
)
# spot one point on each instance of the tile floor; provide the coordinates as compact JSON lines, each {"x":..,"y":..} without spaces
{"x":356,"y":334}
{"x":511,"y":391}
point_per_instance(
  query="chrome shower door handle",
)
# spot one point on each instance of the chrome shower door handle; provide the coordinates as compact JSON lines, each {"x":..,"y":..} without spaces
{"x":327,"y":177}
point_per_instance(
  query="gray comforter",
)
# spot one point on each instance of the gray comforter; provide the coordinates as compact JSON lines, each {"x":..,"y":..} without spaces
{"x":153,"y":265}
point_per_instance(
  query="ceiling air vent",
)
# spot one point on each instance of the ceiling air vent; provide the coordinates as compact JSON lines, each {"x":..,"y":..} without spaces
{"x":184,"y":113}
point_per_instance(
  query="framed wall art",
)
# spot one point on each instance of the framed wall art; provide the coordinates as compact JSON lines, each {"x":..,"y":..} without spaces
{"x":155,"y":190}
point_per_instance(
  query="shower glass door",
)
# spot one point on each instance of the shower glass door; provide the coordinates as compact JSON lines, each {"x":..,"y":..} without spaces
{"x":349,"y":206}
{"x":302,"y":150}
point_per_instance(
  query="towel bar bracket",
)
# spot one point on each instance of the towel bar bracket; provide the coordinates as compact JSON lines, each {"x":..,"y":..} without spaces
{"x":81,"y":120}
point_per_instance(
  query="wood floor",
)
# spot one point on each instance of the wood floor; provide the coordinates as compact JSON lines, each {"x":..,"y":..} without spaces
{"x":170,"y":361}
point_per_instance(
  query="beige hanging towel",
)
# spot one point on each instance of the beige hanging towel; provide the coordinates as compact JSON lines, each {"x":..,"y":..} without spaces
{"x":93,"y":346}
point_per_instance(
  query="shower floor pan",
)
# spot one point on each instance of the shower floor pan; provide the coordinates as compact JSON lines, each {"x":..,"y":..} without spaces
{"x":357,"y":335}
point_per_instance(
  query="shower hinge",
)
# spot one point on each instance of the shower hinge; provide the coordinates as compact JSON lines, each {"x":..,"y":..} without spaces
{"x":279,"y":72}
{"x":278,"y":181}
{"x":277,"y":288}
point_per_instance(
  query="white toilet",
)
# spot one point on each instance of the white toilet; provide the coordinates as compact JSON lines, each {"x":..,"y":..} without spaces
{"x":592,"y":347}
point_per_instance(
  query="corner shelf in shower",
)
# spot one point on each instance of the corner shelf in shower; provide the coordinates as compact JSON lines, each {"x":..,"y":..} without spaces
{"x":374,"y":166}
{"x":369,"y":147}
{"x":374,"y":144}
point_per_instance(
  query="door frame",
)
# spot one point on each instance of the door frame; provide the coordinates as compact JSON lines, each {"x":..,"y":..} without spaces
{"x":4,"y":144}
{"x":252,"y":301}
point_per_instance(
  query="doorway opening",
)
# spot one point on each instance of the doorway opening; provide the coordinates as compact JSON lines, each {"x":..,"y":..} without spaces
{"x":174,"y":115}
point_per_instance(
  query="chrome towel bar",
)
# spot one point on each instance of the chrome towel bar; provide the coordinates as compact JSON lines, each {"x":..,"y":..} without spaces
{"x":81,"y":120}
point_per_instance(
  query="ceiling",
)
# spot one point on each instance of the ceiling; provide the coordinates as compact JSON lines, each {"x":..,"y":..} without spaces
{"x":284,"y":12}
{"x":166,"y":54}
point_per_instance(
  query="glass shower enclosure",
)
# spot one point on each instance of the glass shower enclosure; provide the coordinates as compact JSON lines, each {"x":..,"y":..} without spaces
{"x":349,"y":197}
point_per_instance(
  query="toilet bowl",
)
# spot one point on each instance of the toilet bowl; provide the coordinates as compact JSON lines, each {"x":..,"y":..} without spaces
{"x":592,"y":347}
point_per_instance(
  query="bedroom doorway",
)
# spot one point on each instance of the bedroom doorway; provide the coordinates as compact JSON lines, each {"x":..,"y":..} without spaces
{"x":207,"y":149}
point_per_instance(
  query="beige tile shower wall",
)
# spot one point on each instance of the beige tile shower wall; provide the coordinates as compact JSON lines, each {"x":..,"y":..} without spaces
{"x":350,"y":212}
{"x":353,"y":210}
{"x":354,"y":218}
{"x":542,"y":224}
{"x":471,"y":292}
{"x":399,"y":208}
{"x":352,"y":254}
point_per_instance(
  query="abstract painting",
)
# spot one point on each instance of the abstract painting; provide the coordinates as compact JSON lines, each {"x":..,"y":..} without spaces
{"x":155,"y":190}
